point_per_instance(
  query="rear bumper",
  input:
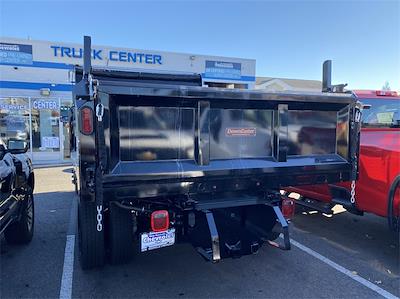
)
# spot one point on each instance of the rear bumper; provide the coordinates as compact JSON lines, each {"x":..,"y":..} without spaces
{"x":134,"y":182}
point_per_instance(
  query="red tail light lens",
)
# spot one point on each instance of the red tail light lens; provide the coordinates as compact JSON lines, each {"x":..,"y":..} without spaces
{"x":388,"y":93}
{"x":87,"y":120}
{"x":159,"y":221}
{"x":288,"y":207}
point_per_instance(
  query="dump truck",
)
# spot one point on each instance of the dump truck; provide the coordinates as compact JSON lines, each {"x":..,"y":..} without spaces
{"x":161,"y":160}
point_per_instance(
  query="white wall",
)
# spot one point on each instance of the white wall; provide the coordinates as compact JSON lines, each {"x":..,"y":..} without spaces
{"x":45,"y":53}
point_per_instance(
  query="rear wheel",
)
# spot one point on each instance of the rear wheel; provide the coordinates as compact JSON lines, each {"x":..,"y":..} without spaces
{"x":91,"y":241}
{"x":393,"y":210}
{"x":21,"y":232}
{"x":120,"y":235}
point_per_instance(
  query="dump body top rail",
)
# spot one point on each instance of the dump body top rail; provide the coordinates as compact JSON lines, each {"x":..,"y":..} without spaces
{"x":188,"y":86}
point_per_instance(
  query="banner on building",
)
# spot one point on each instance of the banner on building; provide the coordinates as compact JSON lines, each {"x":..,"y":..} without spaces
{"x":15,"y":54}
{"x":223,"y":70}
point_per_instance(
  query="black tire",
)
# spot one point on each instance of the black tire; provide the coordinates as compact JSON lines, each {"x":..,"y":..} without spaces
{"x":21,"y":232}
{"x":120,"y":235}
{"x":393,"y":221}
{"x":91,"y":241}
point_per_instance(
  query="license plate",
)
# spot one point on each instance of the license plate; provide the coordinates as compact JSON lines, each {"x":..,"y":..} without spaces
{"x":154,"y":240}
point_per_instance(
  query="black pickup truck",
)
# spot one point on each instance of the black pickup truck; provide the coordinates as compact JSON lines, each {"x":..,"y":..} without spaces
{"x":16,"y":192}
{"x":161,"y":160}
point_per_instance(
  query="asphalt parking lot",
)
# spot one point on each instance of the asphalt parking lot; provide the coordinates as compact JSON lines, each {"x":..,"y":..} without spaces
{"x":362,"y":246}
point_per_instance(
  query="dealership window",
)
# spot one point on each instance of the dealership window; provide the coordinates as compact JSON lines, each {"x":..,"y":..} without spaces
{"x":14,"y":118}
{"x":241,"y":86}
{"x":226,"y":85}
{"x":43,"y":122}
{"x":45,"y":119}
{"x":220,"y":85}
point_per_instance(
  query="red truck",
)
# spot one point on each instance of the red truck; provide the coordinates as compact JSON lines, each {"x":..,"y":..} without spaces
{"x":377,"y":190}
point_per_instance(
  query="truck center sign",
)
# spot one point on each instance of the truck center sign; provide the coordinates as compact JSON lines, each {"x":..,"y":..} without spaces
{"x":111,"y":55}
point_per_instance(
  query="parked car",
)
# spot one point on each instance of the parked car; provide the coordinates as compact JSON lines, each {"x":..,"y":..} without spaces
{"x":14,"y":126}
{"x":377,"y":190}
{"x":16,"y":192}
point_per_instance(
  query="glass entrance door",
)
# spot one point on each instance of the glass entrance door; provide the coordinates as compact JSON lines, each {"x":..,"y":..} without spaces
{"x":45,"y":126}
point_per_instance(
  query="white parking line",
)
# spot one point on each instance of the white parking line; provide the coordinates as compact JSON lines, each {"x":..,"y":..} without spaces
{"x":345,"y":271}
{"x":68,"y":268}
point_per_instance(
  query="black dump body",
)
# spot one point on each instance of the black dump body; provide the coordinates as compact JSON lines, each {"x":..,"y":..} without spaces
{"x":165,"y":140}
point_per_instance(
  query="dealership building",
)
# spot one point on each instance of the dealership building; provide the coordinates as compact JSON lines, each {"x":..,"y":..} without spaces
{"x":36,"y":79}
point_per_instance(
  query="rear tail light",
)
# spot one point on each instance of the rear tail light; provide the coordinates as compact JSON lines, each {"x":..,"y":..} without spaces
{"x":87,"y":120}
{"x":159,"y":221}
{"x":288,"y":207}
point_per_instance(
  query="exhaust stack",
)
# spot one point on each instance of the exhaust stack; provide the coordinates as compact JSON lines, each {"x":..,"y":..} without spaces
{"x":327,"y":79}
{"x":326,"y":76}
{"x":87,"y":59}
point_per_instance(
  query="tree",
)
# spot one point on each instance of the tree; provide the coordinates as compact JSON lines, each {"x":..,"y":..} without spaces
{"x":386,"y":86}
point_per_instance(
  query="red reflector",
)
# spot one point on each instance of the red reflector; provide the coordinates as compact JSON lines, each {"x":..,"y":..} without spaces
{"x":387,"y":93}
{"x":87,"y":120}
{"x":288,"y":208}
{"x":159,"y":221}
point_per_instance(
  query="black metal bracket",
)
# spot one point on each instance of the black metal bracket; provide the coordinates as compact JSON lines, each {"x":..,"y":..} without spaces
{"x":341,"y":196}
{"x":214,"y":254}
{"x":90,"y":174}
{"x":355,"y":127}
{"x":285,"y":231}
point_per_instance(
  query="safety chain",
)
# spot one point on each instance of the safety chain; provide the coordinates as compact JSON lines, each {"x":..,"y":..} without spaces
{"x":358,"y":116}
{"x":353,"y":192}
{"x":99,"y":218}
{"x":91,"y":91}
{"x":93,"y":83}
{"x":99,"y":111}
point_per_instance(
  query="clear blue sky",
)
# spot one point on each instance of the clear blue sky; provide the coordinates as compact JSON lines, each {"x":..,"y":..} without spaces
{"x":288,"y":39}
